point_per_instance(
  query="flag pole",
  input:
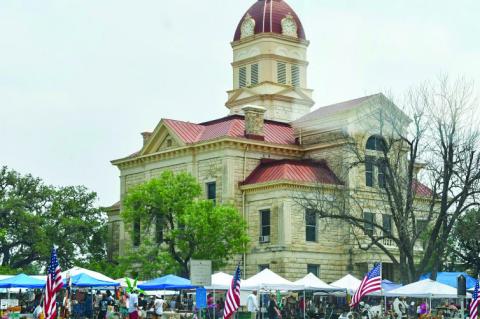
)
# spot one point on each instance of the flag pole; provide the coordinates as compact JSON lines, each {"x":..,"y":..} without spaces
{"x":381,"y":288}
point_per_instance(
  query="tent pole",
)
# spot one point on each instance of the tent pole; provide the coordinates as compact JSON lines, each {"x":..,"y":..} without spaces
{"x":91,"y":292}
{"x":304,"y":301}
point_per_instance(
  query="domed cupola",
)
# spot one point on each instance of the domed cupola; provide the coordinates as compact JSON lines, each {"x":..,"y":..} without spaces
{"x":270,"y":62}
{"x":270,"y":16}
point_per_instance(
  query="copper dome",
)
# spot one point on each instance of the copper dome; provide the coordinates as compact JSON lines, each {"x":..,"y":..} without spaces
{"x":268,"y":15}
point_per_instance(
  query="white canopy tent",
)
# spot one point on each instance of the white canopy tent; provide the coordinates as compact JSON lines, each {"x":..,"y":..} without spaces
{"x":268,"y":280}
{"x":348,"y":282}
{"x":221,"y":281}
{"x":424,"y":289}
{"x":79,"y":270}
{"x":312,"y":282}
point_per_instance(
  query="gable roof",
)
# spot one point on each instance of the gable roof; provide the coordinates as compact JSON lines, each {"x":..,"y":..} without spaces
{"x":230,"y":126}
{"x":303,"y":171}
{"x":421,"y":189}
{"x":337,"y":107}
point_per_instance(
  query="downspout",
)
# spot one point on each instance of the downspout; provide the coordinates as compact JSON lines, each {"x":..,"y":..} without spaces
{"x":244,"y":211}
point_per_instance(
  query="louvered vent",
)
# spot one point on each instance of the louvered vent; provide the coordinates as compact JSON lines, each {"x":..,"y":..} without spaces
{"x":281,"y":73}
{"x":254,"y":74}
{"x":295,"y":76}
{"x":242,"y":77}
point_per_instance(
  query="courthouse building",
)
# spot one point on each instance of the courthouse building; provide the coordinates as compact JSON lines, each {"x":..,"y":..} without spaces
{"x":270,"y":145}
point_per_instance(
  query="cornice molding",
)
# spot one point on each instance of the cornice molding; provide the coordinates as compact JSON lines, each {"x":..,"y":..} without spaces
{"x":267,"y":57}
{"x":222,"y":143}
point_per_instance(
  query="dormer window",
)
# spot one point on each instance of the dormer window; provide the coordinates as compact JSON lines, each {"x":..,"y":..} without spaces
{"x":289,"y":26}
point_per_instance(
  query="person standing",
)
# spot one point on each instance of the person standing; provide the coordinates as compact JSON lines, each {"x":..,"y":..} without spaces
{"x":103,"y":307}
{"x":158,"y":306}
{"x":273,"y":311}
{"x":252,"y":304}
{"x":133,"y":305}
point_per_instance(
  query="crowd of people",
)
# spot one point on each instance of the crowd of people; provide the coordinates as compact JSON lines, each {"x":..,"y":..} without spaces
{"x":119,"y":304}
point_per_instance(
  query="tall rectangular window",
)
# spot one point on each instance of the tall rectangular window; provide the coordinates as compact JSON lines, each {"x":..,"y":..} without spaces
{"x":310,"y":226}
{"x":369,"y":170}
{"x":263,"y":266}
{"x":254,"y":74}
{"x":314,"y":269}
{"x":382,"y":166}
{"x":295,"y":75}
{"x":212,"y":191}
{"x":242,"y":77}
{"x":388,"y":271}
{"x":387,"y":224}
{"x":265,"y":226}
{"x":421,"y":225}
{"x":136,"y":233}
{"x":368,"y":223}
{"x":281,"y":73}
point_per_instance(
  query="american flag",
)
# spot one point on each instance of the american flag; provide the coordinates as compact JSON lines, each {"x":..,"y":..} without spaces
{"x":54,"y":284}
{"x":474,"y":303}
{"x":372,"y":282}
{"x":232,"y":301}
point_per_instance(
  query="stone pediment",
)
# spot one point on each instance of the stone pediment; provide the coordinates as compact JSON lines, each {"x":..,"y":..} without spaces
{"x":162,"y":138}
{"x":268,"y":88}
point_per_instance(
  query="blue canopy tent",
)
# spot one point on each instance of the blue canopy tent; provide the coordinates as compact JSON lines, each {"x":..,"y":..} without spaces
{"x":168,"y":282}
{"x":84,"y":280}
{"x":22,"y":281}
{"x":387,"y":285}
{"x":450,"y":278}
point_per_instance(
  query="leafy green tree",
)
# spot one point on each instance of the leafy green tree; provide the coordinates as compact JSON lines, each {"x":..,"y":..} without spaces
{"x":464,"y":244}
{"x":176,"y":226}
{"x":35,"y":216}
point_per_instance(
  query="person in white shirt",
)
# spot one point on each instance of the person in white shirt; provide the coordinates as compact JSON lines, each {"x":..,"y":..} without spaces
{"x":158,"y":306}
{"x":133,"y":305}
{"x":252,"y":304}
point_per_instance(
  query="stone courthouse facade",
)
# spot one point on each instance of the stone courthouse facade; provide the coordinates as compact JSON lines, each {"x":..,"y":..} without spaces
{"x":269,"y":147}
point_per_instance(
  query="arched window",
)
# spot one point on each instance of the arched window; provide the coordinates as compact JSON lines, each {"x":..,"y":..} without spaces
{"x":375,"y":164}
{"x":376,"y":143}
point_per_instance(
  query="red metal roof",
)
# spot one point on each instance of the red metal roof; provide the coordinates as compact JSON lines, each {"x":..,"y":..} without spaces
{"x":268,"y":15}
{"x":304,"y":171}
{"x":334,"y":108}
{"x":230,"y":126}
{"x":421,"y":189}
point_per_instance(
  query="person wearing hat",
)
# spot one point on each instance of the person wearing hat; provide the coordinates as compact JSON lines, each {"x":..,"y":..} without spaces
{"x":158,"y":306}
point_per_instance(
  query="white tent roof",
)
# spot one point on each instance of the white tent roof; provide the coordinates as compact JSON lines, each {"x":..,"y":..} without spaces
{"x":78,"y":270}
{"x":348,"y":282}
{"x":221,"y":281}
{"x":312,"y":282}
{"x":424,"y":289}
{"x":268,"y":280}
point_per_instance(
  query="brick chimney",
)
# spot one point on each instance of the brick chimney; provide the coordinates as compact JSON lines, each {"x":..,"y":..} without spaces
{"x":254,"y":121}
{"x":146,"y":136}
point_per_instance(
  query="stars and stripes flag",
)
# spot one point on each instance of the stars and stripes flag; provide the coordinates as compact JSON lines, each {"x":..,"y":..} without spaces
{"x":372,"y":282}
{"x":232,"y":301}
{"x":54,"y":284}
{"x":474,"y":303}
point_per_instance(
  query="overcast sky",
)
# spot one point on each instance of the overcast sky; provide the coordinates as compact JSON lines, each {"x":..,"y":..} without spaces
{"x":79,"y":79}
